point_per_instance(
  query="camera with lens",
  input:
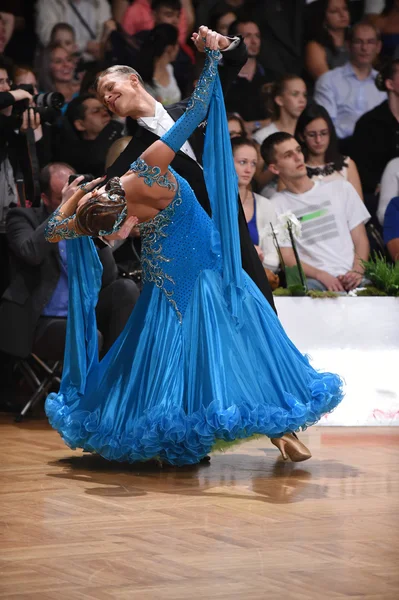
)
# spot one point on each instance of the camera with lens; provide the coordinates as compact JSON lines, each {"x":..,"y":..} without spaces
{"x":47,"y":104}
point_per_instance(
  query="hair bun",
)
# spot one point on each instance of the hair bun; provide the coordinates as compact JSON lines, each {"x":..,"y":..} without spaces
{"x":380,"y":82}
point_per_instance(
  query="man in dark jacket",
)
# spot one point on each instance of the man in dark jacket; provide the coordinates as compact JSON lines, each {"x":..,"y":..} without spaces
{"x":36,"y":302}
{"x":153,"y":120}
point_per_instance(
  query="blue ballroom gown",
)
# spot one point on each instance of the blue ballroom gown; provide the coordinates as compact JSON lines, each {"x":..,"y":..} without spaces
{"x":203,"y":357}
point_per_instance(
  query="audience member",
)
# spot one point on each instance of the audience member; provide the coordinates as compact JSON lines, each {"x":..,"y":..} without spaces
{"x":245,"y":94}
{"x":36,"y":302}
{"x":132,"y":54}
{"x":288,"y":98}
{"x":388,"y":24}
{"x":316,"y":133}
{"x":220,"y":19}
{"x":328,"y":22}
{"x":158,"y":52}
{"x":259,"y":211}
{"x":391,"y":229}
{"x":334,"y":242}
{"x":236,"y":125}
{"x":7,"y":23}
{"x":389,"y":187}
{"x":14,"y":156}
{"x":348,"y":92}
{"x":86,"y":17}
{"x":376,"y":138}
{"x":145,"y":14}
{"x":57,"y":73}
{"x":281,"y":26}
{"x":87,"y":135}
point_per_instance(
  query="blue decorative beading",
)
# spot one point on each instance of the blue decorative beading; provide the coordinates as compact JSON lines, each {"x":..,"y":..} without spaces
{"x":152,"y":175}
{"x":57,"y":226}
{"x":152,"y":258}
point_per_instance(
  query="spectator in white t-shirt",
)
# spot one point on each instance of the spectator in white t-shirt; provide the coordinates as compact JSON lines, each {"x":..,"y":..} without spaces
{"x":389,"y":187}
{"x":334,"y":240}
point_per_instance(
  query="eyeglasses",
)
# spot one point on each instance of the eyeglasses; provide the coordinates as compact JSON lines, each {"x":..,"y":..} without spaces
{"x":6,"y":81}
{"x":316,"y":134}
{"x":364,"y":42}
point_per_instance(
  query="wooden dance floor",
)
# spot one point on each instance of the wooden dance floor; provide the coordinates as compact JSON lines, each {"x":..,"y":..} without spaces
{"x":247,"y":526}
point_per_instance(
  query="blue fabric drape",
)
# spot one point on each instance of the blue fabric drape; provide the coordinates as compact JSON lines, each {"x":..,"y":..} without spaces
{"x":222,"y":185}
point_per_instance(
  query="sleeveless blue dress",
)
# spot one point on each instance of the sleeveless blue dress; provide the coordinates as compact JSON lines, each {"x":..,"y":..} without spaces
{"x":202,"y":358}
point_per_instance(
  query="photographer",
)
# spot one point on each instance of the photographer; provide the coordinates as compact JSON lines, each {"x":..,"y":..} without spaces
{"x":8,"y":99}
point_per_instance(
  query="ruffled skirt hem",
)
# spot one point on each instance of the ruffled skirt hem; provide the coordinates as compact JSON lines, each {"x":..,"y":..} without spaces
{"x":181,"y":438}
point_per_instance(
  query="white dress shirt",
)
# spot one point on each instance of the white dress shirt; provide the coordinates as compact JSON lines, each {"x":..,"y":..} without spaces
{"x":160,"y":123}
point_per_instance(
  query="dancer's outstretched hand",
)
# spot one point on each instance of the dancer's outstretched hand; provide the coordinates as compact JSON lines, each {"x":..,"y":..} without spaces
{"x":206,"y":38}
{"x":125,"y":230}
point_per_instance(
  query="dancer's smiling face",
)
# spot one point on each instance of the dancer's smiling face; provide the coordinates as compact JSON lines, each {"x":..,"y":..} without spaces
{"x":120,"y":93}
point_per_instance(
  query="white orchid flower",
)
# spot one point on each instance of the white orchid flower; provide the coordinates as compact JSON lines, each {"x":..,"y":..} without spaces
{"x":283,"y":222}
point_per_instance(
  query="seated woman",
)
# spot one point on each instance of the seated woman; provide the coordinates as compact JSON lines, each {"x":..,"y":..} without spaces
{"x":287,"y":100}
{"x":328,"y":22}
{"x":259,"y":211}
{"x":158,"y":52}
{"x":203,"y":356}
{"x":315,"y":132}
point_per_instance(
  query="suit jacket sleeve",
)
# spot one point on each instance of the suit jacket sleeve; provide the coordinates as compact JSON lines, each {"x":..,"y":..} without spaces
{"x":26,"y":240}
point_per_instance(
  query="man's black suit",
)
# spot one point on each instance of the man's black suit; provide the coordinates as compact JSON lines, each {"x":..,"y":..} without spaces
{"x":35,"y":271}
{"x":189,"y":169}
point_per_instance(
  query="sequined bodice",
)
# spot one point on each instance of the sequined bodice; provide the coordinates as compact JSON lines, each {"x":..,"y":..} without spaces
{"x":177,"y":245}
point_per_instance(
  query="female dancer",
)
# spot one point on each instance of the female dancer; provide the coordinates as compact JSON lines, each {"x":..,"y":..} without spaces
{"x":203,"y":357}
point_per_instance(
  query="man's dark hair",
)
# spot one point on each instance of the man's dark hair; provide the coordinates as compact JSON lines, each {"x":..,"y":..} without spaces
{"x":76,"y":108}
{"x":46,"y":173}
{"x":233,"y":29}
{"x":268,"y":147}
{"x":172,"y":4}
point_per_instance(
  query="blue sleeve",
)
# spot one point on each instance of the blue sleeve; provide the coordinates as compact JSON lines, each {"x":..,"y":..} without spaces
{"x":198,"y":104}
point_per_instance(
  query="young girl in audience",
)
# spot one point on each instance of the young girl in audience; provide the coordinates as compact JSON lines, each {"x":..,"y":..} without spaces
{"x":315,"y":132}
{"x":328,"y":22}
{"x":258,"y":210}
{"x":287,"y":99}
{"x":157,"y":53}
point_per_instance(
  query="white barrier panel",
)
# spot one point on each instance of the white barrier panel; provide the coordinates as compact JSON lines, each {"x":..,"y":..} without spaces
{"x":358,"y":338}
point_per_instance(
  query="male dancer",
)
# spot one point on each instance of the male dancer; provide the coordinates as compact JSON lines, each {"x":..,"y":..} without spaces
{"x":152,"y":120}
